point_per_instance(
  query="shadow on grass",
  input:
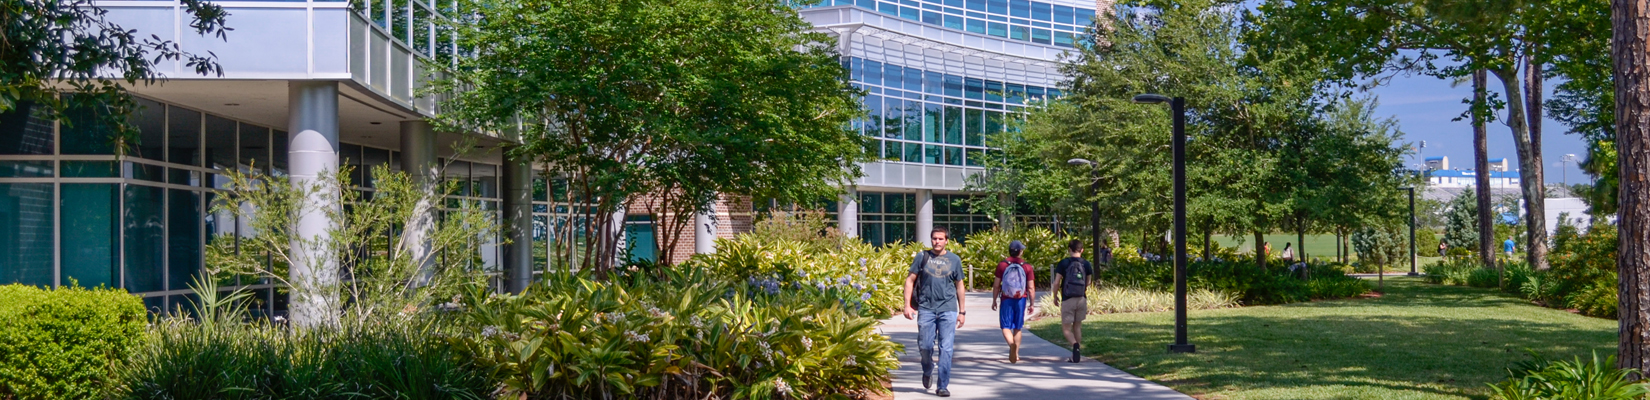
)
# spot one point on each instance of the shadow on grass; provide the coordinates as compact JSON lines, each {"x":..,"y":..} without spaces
{"x":1418,"y":339}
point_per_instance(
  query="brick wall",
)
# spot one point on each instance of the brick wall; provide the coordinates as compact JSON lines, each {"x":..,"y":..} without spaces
{"x":734,"y":215}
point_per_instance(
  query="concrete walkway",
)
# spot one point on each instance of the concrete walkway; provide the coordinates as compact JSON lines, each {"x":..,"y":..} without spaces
{"x":980,"y":369}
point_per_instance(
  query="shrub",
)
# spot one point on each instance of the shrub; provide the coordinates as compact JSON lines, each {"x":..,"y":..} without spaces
{"x":1275,"y":285}
{"x":984,"y":249}
{"x":218,"y":356}
{"x":1484,"y":278}
{"x":65,"y":343}
{"x":1451,"y":271}
{"x":1540,"y":379}
{"x":865,"y":279}
{"x":684,"y":333}
{"x":1597,"y":300}
{"x":1116,"y":300}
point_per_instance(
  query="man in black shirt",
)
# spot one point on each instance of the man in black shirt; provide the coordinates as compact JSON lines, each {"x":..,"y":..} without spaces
{"x":1072,"y":277}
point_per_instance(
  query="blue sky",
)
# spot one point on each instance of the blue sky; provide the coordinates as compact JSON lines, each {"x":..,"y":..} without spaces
{"x":1424,"y":107}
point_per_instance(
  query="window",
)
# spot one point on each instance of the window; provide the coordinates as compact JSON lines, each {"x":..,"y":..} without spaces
{"x":183,"y":137}
{"x":998,"y":7}
{"x":1019,"y":8}
{"x":974,"y":88}
{"x":891,"y":150}
{"x":1085,"y":17}
{"x":932,"y":125}
{"x":1018,"y":32}
{"x":873,"y":119}
{"x":993,"y":91}
{"x":974,"y":158}
{"x":913,"y":79}
{"x":913,"y":119}
{"x":954,"y":22}
{"x":976,"y":26}
{"x":975,"y":126}
{"x":150,"y":121}
{"x":953,"y":86}
{"x":888,"y":8}
{"x":1064,"y":15}
{"x":997,"y":29}
{"x":910,"y":13}
{"x":1041,"y":11}
{"x":1040,"y":36}
{"x":953,"y":125}
{"x":144,"y":238}
{"x":976,"y":5}
{"x":25,"y":130}
{"x":935,"y":82}
{"x":94,"y":230}
{"x":26,"y":212}
{"x":1064,"y":39}
{"x":931,"y":154}
{"x":873,"y":72}
{"x":254,"y":147}
{"x":953,"y":155}
{"x":220,"y":142}
{"x":893,"y":120}
{"x":932,"y":18}
{"x":913,"y":152}
{"x":84,"y":133}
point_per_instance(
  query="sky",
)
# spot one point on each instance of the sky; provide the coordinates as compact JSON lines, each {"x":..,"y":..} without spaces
{"x":1425,"y":106}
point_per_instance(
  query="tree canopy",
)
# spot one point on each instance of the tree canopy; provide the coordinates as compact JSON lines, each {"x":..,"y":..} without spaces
{"x":673,"y":101}
{"x":70,"y":43}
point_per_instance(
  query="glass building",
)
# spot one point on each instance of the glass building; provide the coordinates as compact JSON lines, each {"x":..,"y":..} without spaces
{"x":307,"y":86}
{"x":310,"y":85}
{"x":942,"y":77}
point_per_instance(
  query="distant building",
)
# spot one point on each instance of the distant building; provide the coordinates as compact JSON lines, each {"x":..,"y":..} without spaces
{"x":1498,"y":164}
{"x":1461,"y":179}
{"x":1437,"y":163}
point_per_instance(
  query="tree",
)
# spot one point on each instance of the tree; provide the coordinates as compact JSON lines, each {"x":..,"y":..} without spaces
{"x":1461,"y":230}
{"x":1380,"y":245}
{"x":1465,"y":36}
{"x":1630,"y":55}
{"x":54,"y":45}
{"x":377,"y":280}
{"x":674,"y":101}
{"x":1481,"y":167}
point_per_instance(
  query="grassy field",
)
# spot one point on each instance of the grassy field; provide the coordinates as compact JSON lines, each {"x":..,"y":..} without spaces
{"x":1419,"y":341}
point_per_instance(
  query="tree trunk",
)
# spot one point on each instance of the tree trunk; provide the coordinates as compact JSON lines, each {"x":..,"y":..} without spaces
{"x":1631,"y":56}
{"x":1260,"y":250}
{"x":1208,"y":244}
{"x":1536,"y":250}
{"x":1300,"y":238}
{"x":1529,"y":162}
{"x":1481,"y":167}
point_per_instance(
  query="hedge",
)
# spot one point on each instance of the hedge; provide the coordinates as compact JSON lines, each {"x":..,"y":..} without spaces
{"x":65,"y":343}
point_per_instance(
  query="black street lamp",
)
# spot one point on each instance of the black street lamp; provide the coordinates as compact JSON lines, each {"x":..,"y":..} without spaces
{"x":1177,"y":107}
{"x":1411,"y":190}
{"x":1094,"y":206}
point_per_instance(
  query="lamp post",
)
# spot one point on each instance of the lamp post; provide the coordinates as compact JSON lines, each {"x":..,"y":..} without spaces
{"x":1094,"y":206}
{"x":1177,"y":107}
{"x":1562,"y":163}
{"x":1411,"y":190}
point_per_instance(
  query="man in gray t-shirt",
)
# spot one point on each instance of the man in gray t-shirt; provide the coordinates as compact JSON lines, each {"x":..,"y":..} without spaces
{"x":935,"y":285}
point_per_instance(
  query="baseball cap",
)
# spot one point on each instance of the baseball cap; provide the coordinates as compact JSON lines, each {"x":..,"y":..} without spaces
{"x":1016,"y":246}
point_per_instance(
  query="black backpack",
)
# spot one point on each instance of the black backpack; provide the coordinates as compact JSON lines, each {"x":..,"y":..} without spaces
{"x":1076,"y":282}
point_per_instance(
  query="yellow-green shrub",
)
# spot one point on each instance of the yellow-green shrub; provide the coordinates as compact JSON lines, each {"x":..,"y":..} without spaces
{"x":64,"y":343}
{"x":986,"y":248}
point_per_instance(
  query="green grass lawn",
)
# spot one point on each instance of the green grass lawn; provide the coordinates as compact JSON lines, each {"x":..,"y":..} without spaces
{"x":1419,"y":341}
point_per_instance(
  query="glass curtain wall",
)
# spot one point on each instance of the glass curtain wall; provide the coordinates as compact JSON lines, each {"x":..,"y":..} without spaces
{"x":1029,"y":21}
{"x":929,"y":117}
{"x":76,"y":214}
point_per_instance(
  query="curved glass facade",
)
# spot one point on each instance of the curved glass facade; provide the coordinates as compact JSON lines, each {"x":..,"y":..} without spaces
{"x":1030,"y":21}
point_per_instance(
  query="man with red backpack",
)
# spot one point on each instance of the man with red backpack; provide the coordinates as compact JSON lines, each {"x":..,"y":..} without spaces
{"x":1015,"y":290}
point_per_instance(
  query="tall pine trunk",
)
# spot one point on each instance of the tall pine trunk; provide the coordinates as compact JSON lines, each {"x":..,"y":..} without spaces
{"x":1481,"y":167}
{"x":1631,"y":56}
{"x":1260,"y":250}
{"x":1534,"y":223}
{"x":1529,"y":162}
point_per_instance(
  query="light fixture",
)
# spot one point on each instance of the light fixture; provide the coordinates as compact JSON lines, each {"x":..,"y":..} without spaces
{"x":232,"y":104}
{"x":1151,"y":98}
{"x":376,"y":123}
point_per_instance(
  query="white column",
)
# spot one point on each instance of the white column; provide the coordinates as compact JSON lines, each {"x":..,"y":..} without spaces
{"x":704,"y":231}
{"x":312,"y":123}
{"x":847,"y":214}
{"x":925,"y":217}
{"x":518,"y":222}
{"x":419,"y":162}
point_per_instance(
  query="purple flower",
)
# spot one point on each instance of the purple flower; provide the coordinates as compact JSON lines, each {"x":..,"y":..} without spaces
{"x":864,"y":297}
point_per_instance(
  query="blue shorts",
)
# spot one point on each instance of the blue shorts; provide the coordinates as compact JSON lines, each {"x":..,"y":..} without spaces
{"x":1011,"y":313}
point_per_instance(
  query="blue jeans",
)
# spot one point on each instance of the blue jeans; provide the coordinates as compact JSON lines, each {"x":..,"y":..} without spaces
{"x":944,"y":325}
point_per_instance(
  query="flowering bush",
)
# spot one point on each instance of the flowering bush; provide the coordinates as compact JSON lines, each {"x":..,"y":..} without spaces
{"x":864,"y":279}
{"x":985,"y":249}
{"x":685,"y":334}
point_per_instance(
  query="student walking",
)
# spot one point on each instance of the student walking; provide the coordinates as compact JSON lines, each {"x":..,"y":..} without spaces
{"x":1072,"y":276}
{"x":934,"y":287}
{"x":1015,"y":289}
